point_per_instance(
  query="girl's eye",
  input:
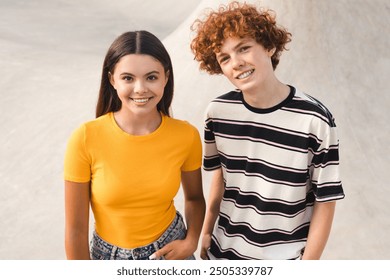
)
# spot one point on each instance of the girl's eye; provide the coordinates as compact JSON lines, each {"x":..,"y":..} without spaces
{"x":127,"y":78}
{"x":152,"y":78}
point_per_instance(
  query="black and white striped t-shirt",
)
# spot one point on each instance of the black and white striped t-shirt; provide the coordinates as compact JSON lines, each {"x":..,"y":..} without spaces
{"x":276,"y":163}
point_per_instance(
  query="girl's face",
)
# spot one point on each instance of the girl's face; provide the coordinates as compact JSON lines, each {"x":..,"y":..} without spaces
{"x":139,"y":81}
{"x":245,"y":63}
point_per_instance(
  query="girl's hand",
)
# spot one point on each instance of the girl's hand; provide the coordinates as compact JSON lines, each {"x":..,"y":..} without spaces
{"x":175,"y":250}
{"x":206,"y":242}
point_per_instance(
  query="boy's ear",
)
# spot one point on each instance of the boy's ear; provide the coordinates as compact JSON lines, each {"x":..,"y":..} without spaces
{"x":271,"y":52}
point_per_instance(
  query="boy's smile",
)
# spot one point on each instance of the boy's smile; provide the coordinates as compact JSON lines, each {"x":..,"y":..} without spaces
{"x":245,"y":74}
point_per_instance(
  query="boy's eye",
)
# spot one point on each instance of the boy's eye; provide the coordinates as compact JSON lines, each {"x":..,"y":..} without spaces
{"x":244,"y":48}
{"x":223,"y":59}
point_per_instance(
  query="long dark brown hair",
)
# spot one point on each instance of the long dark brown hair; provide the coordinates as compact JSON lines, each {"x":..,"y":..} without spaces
{"x":134,"y":42}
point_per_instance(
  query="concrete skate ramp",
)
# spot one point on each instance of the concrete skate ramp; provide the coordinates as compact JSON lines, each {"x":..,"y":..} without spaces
{"x":51,"y":55}
{"x":340,"y":54}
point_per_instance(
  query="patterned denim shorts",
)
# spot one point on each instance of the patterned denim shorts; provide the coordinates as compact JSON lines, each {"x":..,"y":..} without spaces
{"x":102,"y":250}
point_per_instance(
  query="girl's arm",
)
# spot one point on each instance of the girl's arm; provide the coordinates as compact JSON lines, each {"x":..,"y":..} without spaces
{"x":194,"y":215}
{"x":77,"y":197}
{"x":214,"y":202}
{"x":319,"y":231}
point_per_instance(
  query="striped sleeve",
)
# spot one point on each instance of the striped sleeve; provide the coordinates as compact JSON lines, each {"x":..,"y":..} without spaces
{"x":211,"y":160}
{"x":324,"y":168}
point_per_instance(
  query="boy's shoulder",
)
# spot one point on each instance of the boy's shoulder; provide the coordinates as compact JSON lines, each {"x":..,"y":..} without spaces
{"x":311,"y":105}
{"x":224,"y":101}
{"x":234,"y":95}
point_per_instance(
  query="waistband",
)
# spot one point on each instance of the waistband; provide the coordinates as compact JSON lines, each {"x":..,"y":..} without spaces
{"x":138,"y":253}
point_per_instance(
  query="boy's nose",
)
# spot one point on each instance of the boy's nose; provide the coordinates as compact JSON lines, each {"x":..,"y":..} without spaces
{"x":237,"y":62}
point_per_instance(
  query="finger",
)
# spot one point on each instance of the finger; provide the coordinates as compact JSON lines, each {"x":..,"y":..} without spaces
{"x":169,"y":253}
{"x":159,"y":253}
{"x":203,"y":253}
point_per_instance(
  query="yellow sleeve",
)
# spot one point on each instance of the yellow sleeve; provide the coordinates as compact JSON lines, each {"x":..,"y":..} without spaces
{"x":194,"y":159}
{"x":77,"y":163}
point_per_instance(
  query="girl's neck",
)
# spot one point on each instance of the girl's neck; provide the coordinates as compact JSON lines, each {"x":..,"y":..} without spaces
{"x":138,"y":124}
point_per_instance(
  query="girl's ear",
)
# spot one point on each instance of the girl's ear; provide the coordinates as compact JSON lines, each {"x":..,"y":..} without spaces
{"x":111,"y":79}
{"x":167,"y":76}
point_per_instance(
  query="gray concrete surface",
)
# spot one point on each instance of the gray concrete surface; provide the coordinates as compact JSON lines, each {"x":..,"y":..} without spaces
{"x":50,"y":59}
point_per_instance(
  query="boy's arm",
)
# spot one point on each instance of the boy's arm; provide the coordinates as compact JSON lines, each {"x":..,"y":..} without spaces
{"x":319,"y":231}
{"x":212,"y":212}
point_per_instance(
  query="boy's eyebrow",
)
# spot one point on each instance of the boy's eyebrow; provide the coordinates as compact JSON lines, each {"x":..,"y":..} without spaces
{"x":239,"y":45}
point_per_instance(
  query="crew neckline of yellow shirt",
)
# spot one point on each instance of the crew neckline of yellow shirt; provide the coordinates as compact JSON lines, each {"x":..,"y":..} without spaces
{"x":140,"y":137}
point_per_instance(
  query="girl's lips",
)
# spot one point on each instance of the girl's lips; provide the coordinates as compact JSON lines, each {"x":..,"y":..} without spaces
{"x":141,"y":100}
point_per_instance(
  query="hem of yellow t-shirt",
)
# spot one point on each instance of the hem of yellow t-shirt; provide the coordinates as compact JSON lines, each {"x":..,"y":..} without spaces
{"x":191,"y":168}
{"x":76,"y":179}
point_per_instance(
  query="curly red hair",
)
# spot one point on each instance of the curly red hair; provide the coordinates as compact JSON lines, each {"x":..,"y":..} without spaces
{"x":236,"y":20}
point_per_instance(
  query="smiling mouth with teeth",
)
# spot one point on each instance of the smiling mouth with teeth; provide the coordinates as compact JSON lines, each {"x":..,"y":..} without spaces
{"x":245,"y":74}
{"x":140,"y":100}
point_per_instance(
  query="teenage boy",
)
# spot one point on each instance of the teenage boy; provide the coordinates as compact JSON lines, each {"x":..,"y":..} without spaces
{"x":273,"y":148}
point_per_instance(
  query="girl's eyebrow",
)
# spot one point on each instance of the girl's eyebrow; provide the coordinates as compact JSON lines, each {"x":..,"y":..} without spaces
{"x":147,"y":74}
{"x":126,"y":74}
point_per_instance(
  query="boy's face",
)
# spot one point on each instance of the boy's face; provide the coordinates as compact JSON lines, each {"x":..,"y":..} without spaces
{"x":245,"y":63}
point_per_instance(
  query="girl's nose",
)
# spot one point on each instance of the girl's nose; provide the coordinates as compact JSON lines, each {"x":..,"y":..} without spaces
{"x":140,"y":87}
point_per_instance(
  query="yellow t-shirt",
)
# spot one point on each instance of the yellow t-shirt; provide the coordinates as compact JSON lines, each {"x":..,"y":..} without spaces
{"x":134,"y":179}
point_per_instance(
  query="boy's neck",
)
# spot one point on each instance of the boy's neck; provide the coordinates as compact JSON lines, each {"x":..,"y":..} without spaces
{"x":267,"y":96}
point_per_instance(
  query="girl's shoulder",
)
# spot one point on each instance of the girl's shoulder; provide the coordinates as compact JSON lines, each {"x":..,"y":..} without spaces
{"x":94,"y":125}
{"x":180,"y":126}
